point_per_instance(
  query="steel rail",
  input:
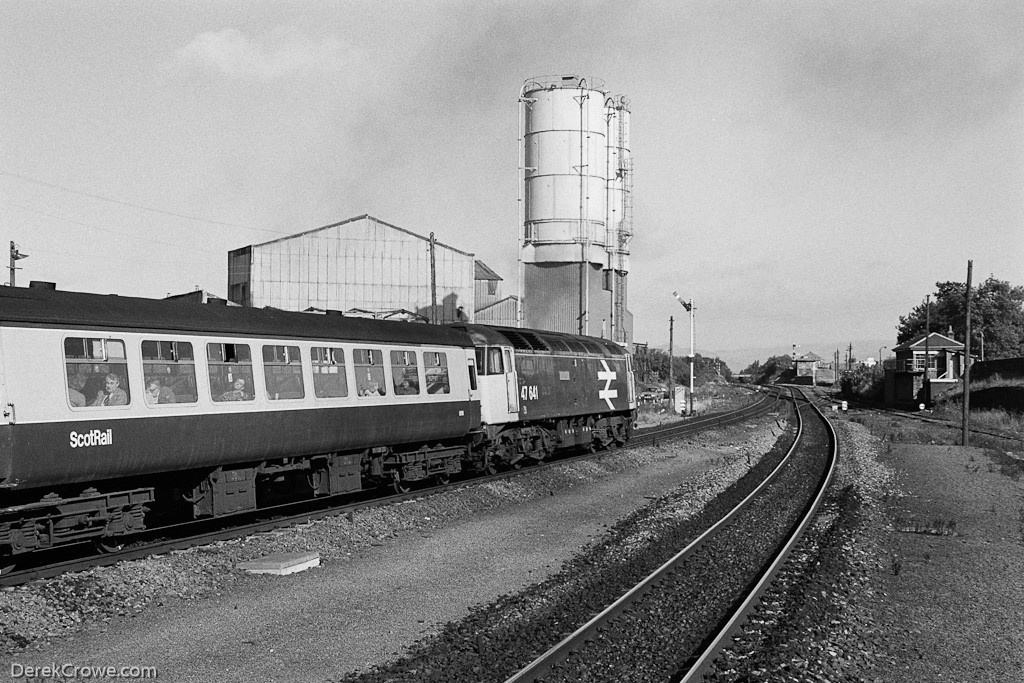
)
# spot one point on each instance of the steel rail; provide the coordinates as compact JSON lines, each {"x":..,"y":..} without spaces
{"x":321,"y":508}
{"x":734,"y":623}
{"x":543,"y":665}
{"x":951,"y":424}
{"x":651,"y":436}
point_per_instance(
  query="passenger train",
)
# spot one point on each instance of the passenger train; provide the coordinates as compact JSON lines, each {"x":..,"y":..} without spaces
{"x":121,"y":414}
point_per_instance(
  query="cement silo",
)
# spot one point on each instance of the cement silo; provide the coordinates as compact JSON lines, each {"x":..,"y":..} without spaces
{"x":574,"y":204}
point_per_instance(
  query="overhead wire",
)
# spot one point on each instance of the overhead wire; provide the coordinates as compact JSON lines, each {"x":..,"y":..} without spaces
{"x":136,"y":206}
{"x":190,"y":247}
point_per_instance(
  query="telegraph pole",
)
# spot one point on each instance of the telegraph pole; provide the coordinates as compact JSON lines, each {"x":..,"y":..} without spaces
{"x":965,"y":437}
{"x":926,"y":384}
{"x":15,"y":256}
{"x":671,"y":367}
{"x":433,"y":281}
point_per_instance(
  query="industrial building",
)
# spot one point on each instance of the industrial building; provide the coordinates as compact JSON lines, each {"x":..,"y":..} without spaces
{"x":360,"y":266}
{"x":493,"y":307}
{"x":576,"y":208}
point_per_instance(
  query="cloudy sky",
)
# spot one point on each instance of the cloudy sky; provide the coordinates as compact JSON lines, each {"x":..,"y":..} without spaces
{"x":806,"y":171}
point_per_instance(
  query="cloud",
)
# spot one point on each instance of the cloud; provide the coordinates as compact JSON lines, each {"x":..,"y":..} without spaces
{"x":287,"y":54}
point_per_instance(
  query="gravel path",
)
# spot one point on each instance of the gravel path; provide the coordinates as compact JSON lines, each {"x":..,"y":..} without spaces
{"x":952,"y":597}
{"x":390,"y":576}
{"x":913,"y":572}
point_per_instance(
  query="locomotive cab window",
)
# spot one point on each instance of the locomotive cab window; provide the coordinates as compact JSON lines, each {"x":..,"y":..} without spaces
{"x":97,"y":372}
{"x":488,"y":360}
{"x":230,"y":372}
{"x":329,"y":379}
{"x":435,"y":367}
{"x":169,"y":372}
{"x":369,"y":368}
{"x":282,"y":367}
{"x":404,"y":372}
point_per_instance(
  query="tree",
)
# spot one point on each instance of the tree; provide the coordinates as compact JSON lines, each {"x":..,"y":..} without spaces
{"x":762,"y":373}
{"x":753,"y":369}
{"x":704,"y":369}
{"x":997,"y":315}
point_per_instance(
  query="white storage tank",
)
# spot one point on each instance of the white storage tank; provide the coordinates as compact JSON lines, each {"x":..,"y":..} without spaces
{"x":576,"y":207}
{"x":565,"y":154}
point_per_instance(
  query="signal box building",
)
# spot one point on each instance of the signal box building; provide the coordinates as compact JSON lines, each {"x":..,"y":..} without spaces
{"x":922,"y":372}
{"x":361,"y":266}
{"x":806,"y":365}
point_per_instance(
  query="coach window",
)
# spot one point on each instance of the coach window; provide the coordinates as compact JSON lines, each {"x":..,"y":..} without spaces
{"x":282,"y":367}
{"x":404,"y":373}
{"x":97,"y":372}
{"x":329,"y":380}
{"x":369,"y":367}
{"x":169,"y":372}
{"x":435,"y":367}
{"x":230,"y":372}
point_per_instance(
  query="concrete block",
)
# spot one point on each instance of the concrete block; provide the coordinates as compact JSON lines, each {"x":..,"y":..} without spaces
{"x":281,"y":563}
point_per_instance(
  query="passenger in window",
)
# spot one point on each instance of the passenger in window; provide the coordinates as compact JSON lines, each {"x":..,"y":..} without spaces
{"x":76,"y":383}
{"x":405,"y":388}
{"x":157,"y":393}
{"x":112,"y":394}
{"x":371,"y":389}
{"x":237,"y":393}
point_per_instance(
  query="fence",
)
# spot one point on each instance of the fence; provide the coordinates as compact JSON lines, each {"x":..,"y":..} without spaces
{"x":1006,"y":368}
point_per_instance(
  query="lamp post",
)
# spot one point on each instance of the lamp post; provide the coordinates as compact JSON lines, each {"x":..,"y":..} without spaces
{"x":688,"y":305}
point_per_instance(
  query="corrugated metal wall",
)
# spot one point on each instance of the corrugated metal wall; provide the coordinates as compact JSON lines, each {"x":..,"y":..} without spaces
{"x":553,"y":301}
{"x":362,"y":263}
{"x":504,"y":312}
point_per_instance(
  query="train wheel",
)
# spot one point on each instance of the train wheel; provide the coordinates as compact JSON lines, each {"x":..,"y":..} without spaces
{"x":7,"y":566}
{"x":108,"y":545}
{"x":401,"y":486}
{"x":619,"y":435}
{"x":443,"y":479}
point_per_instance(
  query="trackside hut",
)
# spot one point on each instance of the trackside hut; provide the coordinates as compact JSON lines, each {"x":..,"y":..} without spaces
{"x":360,"y":263}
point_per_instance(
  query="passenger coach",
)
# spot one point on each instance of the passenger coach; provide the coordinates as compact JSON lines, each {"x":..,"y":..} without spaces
{"x":117,"y":406}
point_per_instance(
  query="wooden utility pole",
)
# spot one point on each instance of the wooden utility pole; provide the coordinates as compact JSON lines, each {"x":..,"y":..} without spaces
{"x":925,"y":383}
{"x":433,"y":281}
{"x":671,"y":367}
{"x":965,"y":437}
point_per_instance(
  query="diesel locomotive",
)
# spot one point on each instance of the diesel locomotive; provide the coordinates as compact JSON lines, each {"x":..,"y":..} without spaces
{"x":122,"y":413}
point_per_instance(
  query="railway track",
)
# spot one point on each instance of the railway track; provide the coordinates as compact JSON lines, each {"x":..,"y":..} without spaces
{"x":185,"y":535}
{"x":951,"y":424}
{"x":672,"y":624}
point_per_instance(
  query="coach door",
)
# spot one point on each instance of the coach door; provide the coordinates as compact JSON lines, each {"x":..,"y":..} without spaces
{"x":511,"y":382}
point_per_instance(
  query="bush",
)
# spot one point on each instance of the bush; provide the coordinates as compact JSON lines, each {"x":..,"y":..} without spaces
{"x":863,"y":383}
